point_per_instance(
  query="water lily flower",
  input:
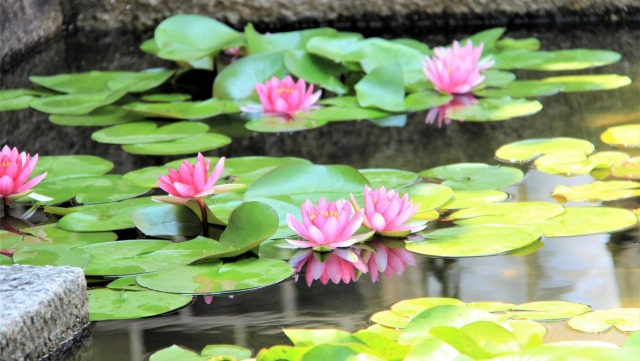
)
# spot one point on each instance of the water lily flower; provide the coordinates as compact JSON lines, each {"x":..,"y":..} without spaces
{"x":387,"y":260}
{"x":442,"y":112}
{"x":327,"y":226}
{"x":338,"y":265}
{"x":456,"y":69}
{"x":388,"y":214}
{"x":286,"y":97}
{"x":15,"y":169}
{"x":192,"y":182}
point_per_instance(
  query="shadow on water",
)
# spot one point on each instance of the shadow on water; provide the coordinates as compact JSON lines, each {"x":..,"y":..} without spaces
{"x":602,"y":270}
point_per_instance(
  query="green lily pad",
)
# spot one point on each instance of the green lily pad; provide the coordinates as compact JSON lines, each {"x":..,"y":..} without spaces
{"x":425,"y":100}
{"x":316,"y":70}
{"x":215,"y":278}
{"x":507,"y":213}
{"x":474,"y":176}
{"x":175,"y":353}
{"x":385,"y":346}
{"x":521,"y":89}
{"x":100,"y":81}
{"x":565,"y":162}
{"x":526,"y":330}
{"x":570,"y":59}
{"x":624,"y":319}
{"x":529,"y":149}
{"x":341,"y":113}
{"x":434,"y":349}
{"x":628,"y":169}
{"x":303,"y":337}
{"x":512,"y":44}
{"x":581,"y":83}
{"x":184,"y":110}
{"x":64,"y":165}
{"x":199,"y":143}
{"x":598,"y":191}
{"x":374,"y":53}
{"x":412,"y":307}
{"x":577,"y":221}
{"x":167,"y":220}
{"x":126,"y":283}
{"x":17,"y":99}
{"x":102,"y":217}
{"x":108,"y":304}
{"x":60,"y":237}
{"x":388,"y":177}
{"x":88,"y":189}
{"x":495,"y":109}
{"x":287,"y":40}
{"x":382,"y":88}
{"x":165,"y":98}
{"x":467,"y":199}
{"x":491,"y":306}
{"x":147,"y":132}
{"x":128,"y":257}
{"x":391,"y":319}
{"x":497,"y":78}
{"x":51,"y":255}
{"x":446,"y":315}
{"x":548,"y":310}
{"x":625,"y":136}
{"x":103,"y":116}
{"x":229,"y":351}
{"x":276,"y":124}
{"x":480,"y":339}
{"x":428,"y":196}
{"x":5,"y":260}
{"x":472,"y":241}
{"x":77,"y":103}
{"x":238,"y":80}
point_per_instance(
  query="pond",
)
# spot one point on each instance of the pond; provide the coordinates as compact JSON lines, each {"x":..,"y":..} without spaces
{"x":600,"y":270}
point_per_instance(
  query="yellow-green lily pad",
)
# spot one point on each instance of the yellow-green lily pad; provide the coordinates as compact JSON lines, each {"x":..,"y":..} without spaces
{"x":629,"y":169}
{"x":598,"y":191}
{"x":411,"y":307}
{"x":198,"y":143}
{"x":467,"y":199}
{"x":592,"y":82}
{"x":148,"y":132}
{"x":577,"y":221}
{"x":529,"y":149}
{"x":624,"y":319}
{"x":507,"y":213}
{"x":625,"y":136}
{"x":548,"y":310}
{"x":108,"y":304}
{"x":474,"y":176}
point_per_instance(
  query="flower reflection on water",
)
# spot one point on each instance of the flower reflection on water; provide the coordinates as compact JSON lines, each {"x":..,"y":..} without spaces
{"x":442,"y":113}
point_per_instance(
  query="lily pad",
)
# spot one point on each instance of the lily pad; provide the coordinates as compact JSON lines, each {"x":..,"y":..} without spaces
{"x":60,"y":237}
{"x":64,"y":165}
{"x":598,"y":191}
{"x":548,"y":310}
{"x":467,"y":199}
{"x":77,"y":103}
{"x":276,"y":124}
{"x":88,"y":189}
{"x":529,"y":149}
{"x":184,"y":110}
{"x":5,"y":260}
{"x":391,"y":319}
{"x":103,"y":116}
{"x":382,"y":88}
{"x":108,"y":304}
{"x":628,"y":169}
{"x":521,"y":89}
{"x":51,"y":255}
{"x":215,"y":278}
{"x":147,"y":132}
{"x":316,"y":70}
{"x":581,"y":83}
{"x":412,"y":307}
{"x":167,"y":220}
{"x":238,"y":80}
{"x":100,"y":81}
{"x":577,"y":221}
{"x":495,"y":109}
{"x":625,"y":136}
{"x":199,"y":143}
{"x":474,"y":176}
{"x":565,"y":162}
{"x":428,"y":196}
{"x":570,"y":59}
{"x":472,"y":241}
{"x":165,"y":98}
{"x":507,"y":213}
{"x":425,"y":100}
{"x":102,"y":217}
{"x":624,"y":319}
{"x":390,"y":178}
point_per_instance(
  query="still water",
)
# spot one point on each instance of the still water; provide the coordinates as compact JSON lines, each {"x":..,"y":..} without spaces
{"x":600,"y":270}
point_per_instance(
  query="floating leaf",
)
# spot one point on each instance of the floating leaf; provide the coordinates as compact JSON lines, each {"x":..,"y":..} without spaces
{"x":507,"y":213}
{"x":529,"y":149}
{"x":147,"y":132}
{"x":107,"y":304}
{"x":467,"y":199}
{"x":88,"y":189}
{"x":628,"y":169}
{"x":565,"y":162}
{"x":390,"y":178}
{"x":101,"y":81}
{"x":338,"y":113}
{"x":302,"y":337}
{"x":549,"y":310}
{"x":581,"y":83}
{"x":288,"y":40}
{"x":598,"y":191}
{"x":277,"y":124}
{"x":165,"y":98}
{"x":51,"y":255}
{"x":126,"y":283}
{"x":184,"y":110}
{"x":626,"y":136}
{"x":497,"y":78}
{"x":472,"y":241}
{"x":167,"y":220}
{"x":17,"y":99}
{"x":412,"y":307}
{"x":474,"y":176}
{"x":61,"y":237}
{"x":388,"y":348}
{"x":229,"y":351}
{"x":175,"y":353}
{"x":428,"y":196}
{"x":239,"y":79}
{"x":521,"y":89}
{"x":64,"y":165}
{"x":103,"y":116}
{"x":570,"y":59}
{"x":425,"y":100}
{"x":392,"y":319}
{"x":208,"y":278}
{"x":495,"y":109}
{"x":77,"y":103}
{"x":102,"y":217}
{"x":624,"y":319}
{"x":577,"y":221}
{"x":512,"y":44}
{"x":316,"y":70}
{"x":435,"y":349}
{"x":5,"y":260}
{"x":382,"y":88}
{"x":199,"y":143}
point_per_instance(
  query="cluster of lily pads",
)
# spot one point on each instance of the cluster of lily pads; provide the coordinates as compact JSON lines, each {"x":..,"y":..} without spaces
{"x":447,"y":329}
{"x":363,"y":78}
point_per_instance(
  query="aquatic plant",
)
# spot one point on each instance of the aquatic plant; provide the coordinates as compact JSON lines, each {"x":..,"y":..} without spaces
{"x":456,"y":69}
{"x":286,"y":97}
{"x":327,"y":225}
{"x":335,"y":266}
{"x":15,"y":168}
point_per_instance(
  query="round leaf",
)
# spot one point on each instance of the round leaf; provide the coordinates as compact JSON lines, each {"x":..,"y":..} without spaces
{"x":167,"y":220}
{"x":390,"y":178}
{"x":276,"y":124}
{"x":581,"y":83}
{"x":548,"y":310}
{"x":529,"y":149}
{"x":598,"y":191}
{"x":64,"y":165}
{"x":495,"y":109}
{"x":51,"y":255}
{"x":507,"y":213}
{"x":577,"y":221}
{"x":147,"y":132}
{"x":239,"y":79}
{"x":189,"y":145}
{"x":103,"y":116}
{"x":626,"y":136}
{"x":382,"y":88}
{"x":624,"y":319}
{"x":474,"y":176}
{"x":108,"y":304}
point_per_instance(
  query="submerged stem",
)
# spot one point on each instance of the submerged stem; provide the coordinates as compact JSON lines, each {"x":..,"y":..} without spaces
{"x":205,"y":221}
{"x":7,"y":211}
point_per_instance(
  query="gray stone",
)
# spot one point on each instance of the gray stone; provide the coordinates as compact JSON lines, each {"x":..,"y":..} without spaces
{"x":26,"y":23}
{"x":43,"y":309}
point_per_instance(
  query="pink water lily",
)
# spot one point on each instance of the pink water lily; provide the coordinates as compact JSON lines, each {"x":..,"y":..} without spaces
{"x":327,"y":226}
{"x":387,"y":213}
{"x":15,"y":168}
{"x":456,"y":69}
{"x":338,"y":265}
{"x":387,"y":260}
{"x":286,"y":96}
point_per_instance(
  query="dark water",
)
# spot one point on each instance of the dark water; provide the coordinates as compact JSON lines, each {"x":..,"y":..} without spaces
{"x":599,"y":270}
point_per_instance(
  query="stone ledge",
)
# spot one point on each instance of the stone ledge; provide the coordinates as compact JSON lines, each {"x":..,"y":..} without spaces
{"x":43,"y":310}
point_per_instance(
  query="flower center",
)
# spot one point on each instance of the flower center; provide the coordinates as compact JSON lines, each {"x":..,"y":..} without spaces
{"x":327,"y":214}
{"x":284,"y":90}
{"x":5,"y":163}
